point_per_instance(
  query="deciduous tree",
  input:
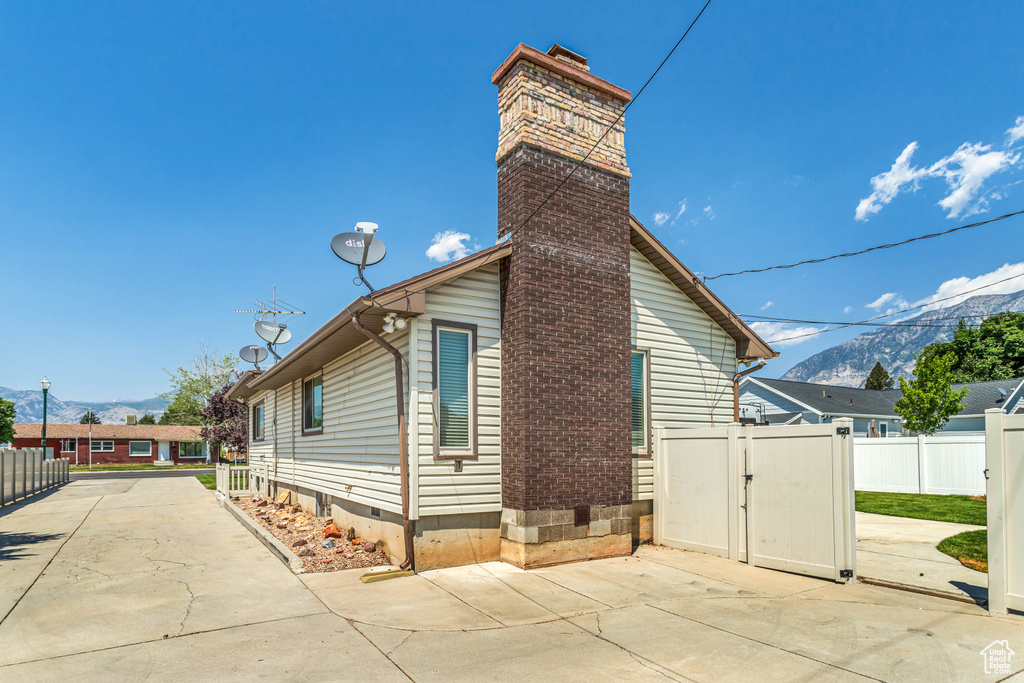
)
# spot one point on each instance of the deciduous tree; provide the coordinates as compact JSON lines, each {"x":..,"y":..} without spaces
{"x":929,"y":399}
{"x":193,"y":384}
{"x":226,"y":422}
{"x":7,"y":414}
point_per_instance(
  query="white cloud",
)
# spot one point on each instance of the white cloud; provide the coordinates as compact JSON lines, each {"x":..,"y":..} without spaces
{"x":885,"y":186}
{"x":768,"y":305}
{"x":682,"y":208}
{"x":952,"y":288}
{"x":776,"y":331}
{"x":965,"y":171}
{"x":661,"y":218}
{"x":1017,"y":131}
{"x":709,"y":212}
{"x":882,"y":300}
{"x":848,"y":309}
{"x":447,"y":246}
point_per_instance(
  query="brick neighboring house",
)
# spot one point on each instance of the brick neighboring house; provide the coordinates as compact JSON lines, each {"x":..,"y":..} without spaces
{"x":115,"y":444}
{"x":536,"y":368}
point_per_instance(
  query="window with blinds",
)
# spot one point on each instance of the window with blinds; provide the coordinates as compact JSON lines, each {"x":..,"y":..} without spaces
{"x":639,"y":372}
{"x":313,"y":404}
{"x":257,"y":421}
{"x":453,"y":373}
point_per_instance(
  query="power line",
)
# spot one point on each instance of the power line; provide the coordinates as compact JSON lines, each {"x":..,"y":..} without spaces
{"x":889,"y":315}
{"x":614,"y":123}
{"x":869,"y":249}
{"x":922,"y":323}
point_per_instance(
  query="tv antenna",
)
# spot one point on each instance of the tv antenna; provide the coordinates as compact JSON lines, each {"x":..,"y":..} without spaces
{"x":267,"y":326}
{"x":359,"y":248}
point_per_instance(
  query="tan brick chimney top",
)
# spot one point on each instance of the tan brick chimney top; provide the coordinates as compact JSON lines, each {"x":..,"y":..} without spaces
{"x":565,"y":63}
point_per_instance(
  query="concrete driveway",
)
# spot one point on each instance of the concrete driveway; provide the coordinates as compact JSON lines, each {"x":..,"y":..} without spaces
{"x":902,"y":550}
{"x":121,"y":580}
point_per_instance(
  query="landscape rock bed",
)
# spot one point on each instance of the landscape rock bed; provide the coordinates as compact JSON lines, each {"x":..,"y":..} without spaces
{"x":304,"y":534}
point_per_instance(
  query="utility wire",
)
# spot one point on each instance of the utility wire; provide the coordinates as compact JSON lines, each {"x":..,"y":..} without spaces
{"x":869,"y":249}
{"x":889,"y":315}
{"x":929,"y":322}
{"x":612,"y":126}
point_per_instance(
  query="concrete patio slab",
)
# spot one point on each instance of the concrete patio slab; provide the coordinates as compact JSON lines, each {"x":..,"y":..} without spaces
{"x":902,"y":550}
{"x":157,"y":581}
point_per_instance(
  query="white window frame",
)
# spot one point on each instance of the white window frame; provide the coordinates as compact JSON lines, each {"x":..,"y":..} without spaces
{"x":645,"y":449}
{"x":147,"y":454}
{"x":97,"y":446}
{"x":201,"y":455}
{"x":64,"y":445}
{"x":470,"y":330}
{"x":312,"y":431}
{"x":259,"y":421}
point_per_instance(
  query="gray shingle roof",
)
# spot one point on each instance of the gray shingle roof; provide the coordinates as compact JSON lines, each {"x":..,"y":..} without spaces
{"x":780,"y":418}
{"x":849,"y":401}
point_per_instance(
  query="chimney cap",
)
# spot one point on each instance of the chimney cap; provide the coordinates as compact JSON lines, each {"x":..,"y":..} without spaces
{"x":565,"y":54}
{"x":561,"y":67}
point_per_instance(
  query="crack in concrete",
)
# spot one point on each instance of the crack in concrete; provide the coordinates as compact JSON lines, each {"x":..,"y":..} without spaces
{"x":188,"y":609}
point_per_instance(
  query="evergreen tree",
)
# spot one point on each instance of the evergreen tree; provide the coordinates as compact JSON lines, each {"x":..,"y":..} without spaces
{"x":89,"y":417}
{"x":879,"y":379}
{"x":147,"y":419}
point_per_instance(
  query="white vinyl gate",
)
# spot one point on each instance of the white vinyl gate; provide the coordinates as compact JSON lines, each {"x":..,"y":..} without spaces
{"x":1004,"y":453}
{"x":777,"y":497}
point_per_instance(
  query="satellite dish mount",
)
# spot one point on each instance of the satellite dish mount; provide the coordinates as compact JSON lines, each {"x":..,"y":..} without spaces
{"x":270,"y":331}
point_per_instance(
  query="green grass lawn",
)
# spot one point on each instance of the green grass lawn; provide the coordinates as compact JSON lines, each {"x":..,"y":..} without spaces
{"x":959,"y":509}
{"x":136,"y":466}
{"x":970,"y":547}
{"x":208,"y":480}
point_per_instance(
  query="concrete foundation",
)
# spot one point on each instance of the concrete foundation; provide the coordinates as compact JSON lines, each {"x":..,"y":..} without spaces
{"x":536,"y":538}
{"x":643,"y":521}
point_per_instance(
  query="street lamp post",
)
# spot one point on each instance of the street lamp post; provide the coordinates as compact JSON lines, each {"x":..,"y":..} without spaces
{"x":45,"y":384}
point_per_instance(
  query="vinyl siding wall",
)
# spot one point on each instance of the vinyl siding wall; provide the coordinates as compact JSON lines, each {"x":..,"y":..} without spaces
{"x":692,"y":361}
{"x":473,"y":299}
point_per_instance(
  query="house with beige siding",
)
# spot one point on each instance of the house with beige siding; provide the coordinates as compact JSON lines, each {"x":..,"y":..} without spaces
{"x":512,"y":418}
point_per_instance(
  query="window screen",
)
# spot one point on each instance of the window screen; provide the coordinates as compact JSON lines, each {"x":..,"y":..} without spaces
{"x":453,"y":390}
{"x":639,"y":400}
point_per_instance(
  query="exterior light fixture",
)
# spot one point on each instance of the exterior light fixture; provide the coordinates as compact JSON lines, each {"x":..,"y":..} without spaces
{"x":45,"y":386}
{"x":392,"y":322}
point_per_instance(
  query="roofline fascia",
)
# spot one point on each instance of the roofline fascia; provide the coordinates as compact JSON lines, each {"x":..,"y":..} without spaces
{"x":786,"y":396}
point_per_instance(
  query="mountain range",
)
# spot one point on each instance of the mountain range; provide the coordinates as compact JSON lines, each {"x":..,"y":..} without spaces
{"x":848,"y":364}
{"x":29,"y":407}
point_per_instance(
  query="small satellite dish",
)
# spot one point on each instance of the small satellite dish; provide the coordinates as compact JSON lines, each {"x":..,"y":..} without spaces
{"x":253,"y":354}
{"x":273,"y":333}
{"x":349,"y":246}
{"x":1002,"y":392}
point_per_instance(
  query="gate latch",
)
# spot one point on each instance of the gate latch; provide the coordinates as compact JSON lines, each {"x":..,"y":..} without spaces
{"x":748,"y":477}
{"x":843,"y":431}
{"x":846,"y":573}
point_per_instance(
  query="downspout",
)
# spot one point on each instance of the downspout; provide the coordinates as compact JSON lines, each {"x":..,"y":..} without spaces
{"x":403,"y":456}
{"x":736,"y":388}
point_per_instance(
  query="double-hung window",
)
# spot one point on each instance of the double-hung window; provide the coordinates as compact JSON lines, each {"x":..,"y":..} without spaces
{"x":258,"y":412}
{"x":313,"y":404}
{"x":68,"y":445}
{"x":191,"y":449}
{"x":102,"y":446}
{"x":640,"y":390}
{"x":454,"y":389}
{"x":140,"y":448}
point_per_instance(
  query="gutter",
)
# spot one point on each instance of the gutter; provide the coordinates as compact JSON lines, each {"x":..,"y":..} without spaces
{"x":736,"y":388}
{"x":403,"y":456}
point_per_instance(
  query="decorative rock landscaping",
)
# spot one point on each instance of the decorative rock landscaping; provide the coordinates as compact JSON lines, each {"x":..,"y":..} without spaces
{"x":321,"y":544}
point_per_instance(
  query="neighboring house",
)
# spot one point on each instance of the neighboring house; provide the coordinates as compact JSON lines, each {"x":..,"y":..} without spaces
{"x":115,"y":443}
{"x":778,"y":400}
{"x":532,"y":372}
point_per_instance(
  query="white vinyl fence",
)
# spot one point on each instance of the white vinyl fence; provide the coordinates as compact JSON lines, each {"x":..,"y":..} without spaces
{"x":1004,"y":445}
{"x":234,"y":480}
{"x":27,"y":471}
{"x":943,"y":464}
{"x":777,"y":497}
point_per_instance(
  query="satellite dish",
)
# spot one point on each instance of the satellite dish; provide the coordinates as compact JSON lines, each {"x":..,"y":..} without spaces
{"x":349,"y":247}
{"x":253,"y":354}
{"x":273,"y":333}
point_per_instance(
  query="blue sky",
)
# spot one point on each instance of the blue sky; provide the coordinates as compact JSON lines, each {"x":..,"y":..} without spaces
{"x":162,"y":164}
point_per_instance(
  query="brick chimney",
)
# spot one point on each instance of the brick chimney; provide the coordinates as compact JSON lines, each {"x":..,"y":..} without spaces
{"x":566,"y":401}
